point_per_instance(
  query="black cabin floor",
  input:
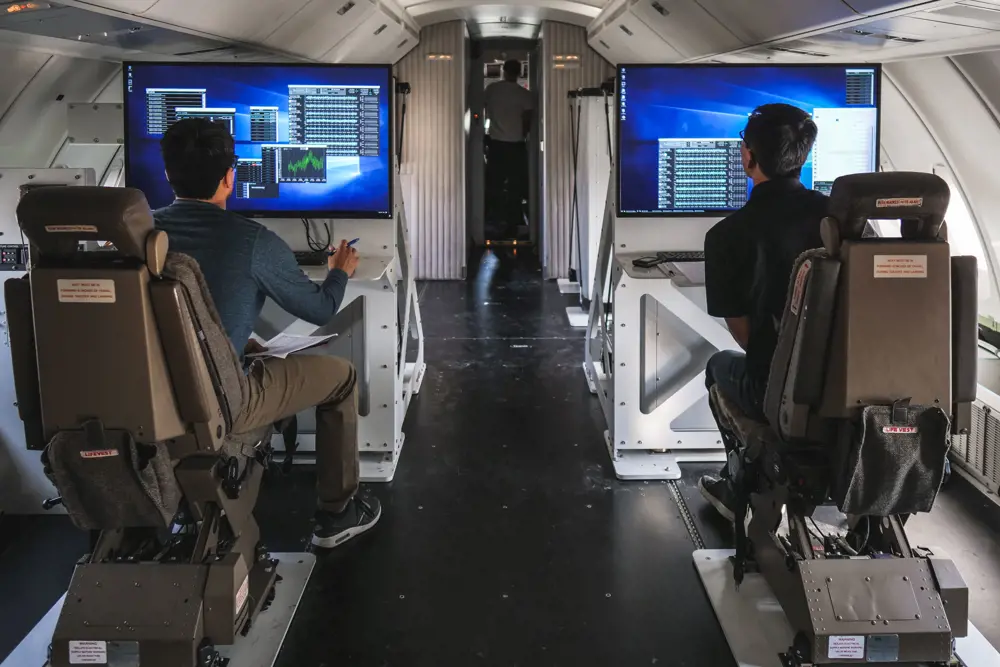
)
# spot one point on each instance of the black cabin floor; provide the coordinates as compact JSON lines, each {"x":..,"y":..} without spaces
{"x":505,"y":538}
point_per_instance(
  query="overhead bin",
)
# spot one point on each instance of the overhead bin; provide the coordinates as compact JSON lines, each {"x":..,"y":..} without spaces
{"x":685,"y":26}
{"x":870,"y":7}
{"x":623,"y":37}
{"x":249,"y":21}
{"x":322,"y":30}
{"x":753,"y":24}
{"x":679,"y":30}
{"x":137,"y":7}
{"x":382,"y":37}
{"x":320,"y":26}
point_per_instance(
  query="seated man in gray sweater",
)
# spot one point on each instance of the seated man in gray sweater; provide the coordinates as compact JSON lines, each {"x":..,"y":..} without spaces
{"x":243,"y":262}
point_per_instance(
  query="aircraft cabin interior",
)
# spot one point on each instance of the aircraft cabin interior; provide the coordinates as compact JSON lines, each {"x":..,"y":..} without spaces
{"x":423,"y":333}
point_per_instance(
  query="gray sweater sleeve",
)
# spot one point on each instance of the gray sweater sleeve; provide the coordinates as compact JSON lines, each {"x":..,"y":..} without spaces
{"x":278,"y":275}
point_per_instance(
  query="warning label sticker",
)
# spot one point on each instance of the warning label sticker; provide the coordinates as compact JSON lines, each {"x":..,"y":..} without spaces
{"x":899,"y":202}
{"x":241,"y":595}
{"x":846,"y":647}
{"x":70,"y":229}
{"x":899,"y":429}
{"x":86,"y":291}
{"x":900,"y":266}
{"x":88,"y":653}
{"x":98,"y":453}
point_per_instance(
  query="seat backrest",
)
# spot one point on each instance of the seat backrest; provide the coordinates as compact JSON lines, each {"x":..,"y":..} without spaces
{"x":132,"y":368}
{"x":872,"y":355}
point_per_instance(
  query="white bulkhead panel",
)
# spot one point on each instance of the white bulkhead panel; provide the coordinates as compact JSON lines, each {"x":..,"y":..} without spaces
{"x":320,"y":26}
{"x":246,"y":21}
{"x":686,"y":26}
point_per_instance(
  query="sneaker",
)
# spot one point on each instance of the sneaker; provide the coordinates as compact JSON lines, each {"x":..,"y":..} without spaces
{"x":358,"y":517}
{"x":719,"y":492}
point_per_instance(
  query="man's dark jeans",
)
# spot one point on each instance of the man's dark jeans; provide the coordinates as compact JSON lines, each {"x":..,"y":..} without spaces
{"x":728,"y":370}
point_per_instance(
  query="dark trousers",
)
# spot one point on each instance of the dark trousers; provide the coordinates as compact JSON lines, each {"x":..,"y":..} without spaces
{"x":280,"y":388}
{"x":728,"y":371}
{"x":507,"y":170}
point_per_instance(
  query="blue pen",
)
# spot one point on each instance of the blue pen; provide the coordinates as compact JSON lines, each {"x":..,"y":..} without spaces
{"x":348,"y":245}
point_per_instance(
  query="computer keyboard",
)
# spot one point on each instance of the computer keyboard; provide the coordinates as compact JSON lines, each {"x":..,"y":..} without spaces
{"x":311,"y":257}
{"x":682,"y":255}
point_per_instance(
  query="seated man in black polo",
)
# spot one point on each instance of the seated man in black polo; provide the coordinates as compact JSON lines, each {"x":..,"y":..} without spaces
{"x":748,"y":263}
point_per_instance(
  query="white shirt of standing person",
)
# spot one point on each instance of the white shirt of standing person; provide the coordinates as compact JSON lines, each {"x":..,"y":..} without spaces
{"x":506,"y":102}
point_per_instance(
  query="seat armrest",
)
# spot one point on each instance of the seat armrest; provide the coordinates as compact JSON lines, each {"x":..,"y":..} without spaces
{"x":196,"y":398}
{"x":965,"y":340}
{"x":24,"y":360}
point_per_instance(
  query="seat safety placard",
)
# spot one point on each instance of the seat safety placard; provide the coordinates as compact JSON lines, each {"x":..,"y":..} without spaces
{"x":86,"y":291}
{"x":846,"y":647}
{"x":88,"y":653}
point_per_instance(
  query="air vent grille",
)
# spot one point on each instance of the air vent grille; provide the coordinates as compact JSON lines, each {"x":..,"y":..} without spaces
{"x":798,"y":52}
{"x":403,"y":43}
{"x":660,"y":9}
{"x":979,"y":451}
{"x":625,"y":30}
{"x":887,"y":36}
{"x":381,"y":28}
{"x":604,"y":44}
{"x":346,"y":8}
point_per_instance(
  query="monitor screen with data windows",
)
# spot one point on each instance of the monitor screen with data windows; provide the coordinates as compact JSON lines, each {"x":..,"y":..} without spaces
{"x":311,"y":140}
{"x":679,"y":130}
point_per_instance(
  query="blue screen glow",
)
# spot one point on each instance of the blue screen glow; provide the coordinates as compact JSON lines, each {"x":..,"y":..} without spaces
{"x":311,"y":141}
{"x":679,"y":130}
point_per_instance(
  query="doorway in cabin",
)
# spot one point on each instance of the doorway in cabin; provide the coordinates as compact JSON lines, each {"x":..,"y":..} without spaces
{"x":501,"y":212}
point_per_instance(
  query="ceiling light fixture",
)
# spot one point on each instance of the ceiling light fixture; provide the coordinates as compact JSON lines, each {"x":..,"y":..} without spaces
{"x":16,"y":7}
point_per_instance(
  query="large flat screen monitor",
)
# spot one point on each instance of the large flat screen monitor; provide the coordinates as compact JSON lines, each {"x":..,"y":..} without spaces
{"x":679,"y":130}
{"x":311,"y":140}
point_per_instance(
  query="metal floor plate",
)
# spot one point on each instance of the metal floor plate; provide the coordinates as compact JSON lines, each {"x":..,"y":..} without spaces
{"x":258,"y":649}
{"x":755,"y":625}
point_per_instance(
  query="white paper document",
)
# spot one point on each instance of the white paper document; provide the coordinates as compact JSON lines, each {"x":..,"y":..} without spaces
{"x":283,"y":345}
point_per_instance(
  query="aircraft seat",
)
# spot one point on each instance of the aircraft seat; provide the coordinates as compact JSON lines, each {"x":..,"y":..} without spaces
{"x":124,"y":374}
{"x":874,"y":369}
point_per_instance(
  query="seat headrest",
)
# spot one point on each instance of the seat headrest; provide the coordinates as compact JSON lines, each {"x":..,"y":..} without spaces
{"x":920,"y":200}
{"x":56,"y":219}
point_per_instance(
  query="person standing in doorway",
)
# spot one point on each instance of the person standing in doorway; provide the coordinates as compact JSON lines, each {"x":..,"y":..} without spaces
{"x":510,"y":109}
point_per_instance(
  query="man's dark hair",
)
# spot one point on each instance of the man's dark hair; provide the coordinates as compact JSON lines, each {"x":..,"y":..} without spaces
{"x":512,"y":69}
{"x":780,"y":136}
{"x":197,"y":153}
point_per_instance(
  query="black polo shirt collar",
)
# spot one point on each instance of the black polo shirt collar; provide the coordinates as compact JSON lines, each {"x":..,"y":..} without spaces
{"x":775,"y":187}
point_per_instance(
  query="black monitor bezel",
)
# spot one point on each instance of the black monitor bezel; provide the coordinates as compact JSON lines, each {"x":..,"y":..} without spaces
{"x":721,"y":213}
{"x":314,"y":214}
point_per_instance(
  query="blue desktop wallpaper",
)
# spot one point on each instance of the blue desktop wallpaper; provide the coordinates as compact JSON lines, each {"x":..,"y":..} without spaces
{"x":361,"y":186}
{"x":706,"y":102}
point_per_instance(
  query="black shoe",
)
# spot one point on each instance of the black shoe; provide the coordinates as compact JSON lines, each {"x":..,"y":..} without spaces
{"x":719,"y":492}
{"x":332,"y":530}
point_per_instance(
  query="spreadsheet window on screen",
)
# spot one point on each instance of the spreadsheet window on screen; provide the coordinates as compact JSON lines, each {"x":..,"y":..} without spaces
{"x":679,"y":130}
{"x":311,"y":140}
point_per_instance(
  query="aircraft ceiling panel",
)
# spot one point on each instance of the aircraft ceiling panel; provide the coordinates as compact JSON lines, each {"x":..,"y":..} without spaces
{"x":783,"y":18}
{"x":320,"y":26}
{"x":137,"y":7}
{"x":246,"y":21}
{"x":686,"y":26}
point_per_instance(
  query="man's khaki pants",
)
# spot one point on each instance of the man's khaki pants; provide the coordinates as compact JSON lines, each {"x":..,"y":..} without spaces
{"x":280,"y":388}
